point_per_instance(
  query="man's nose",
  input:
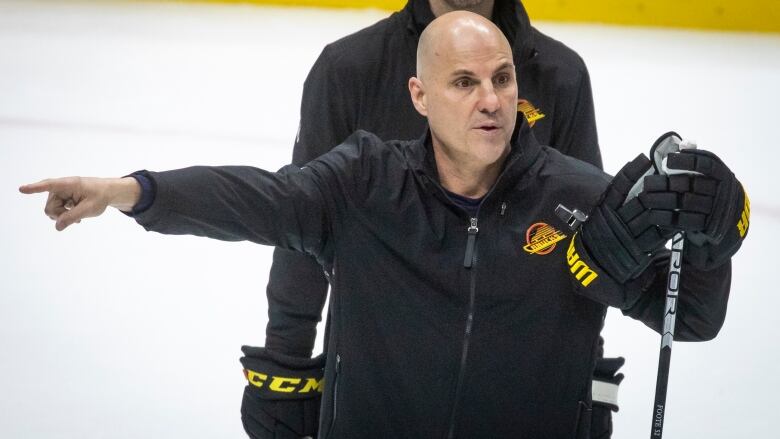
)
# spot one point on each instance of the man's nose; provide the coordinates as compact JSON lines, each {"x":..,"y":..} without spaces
{"x":488,"y":100}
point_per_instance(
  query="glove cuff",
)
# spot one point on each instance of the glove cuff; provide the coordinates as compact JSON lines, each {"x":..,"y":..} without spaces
{"x":606,"y":381}
{"x":606,"y":393}
{"x":273,"y":375}
{"x":591,"y":281}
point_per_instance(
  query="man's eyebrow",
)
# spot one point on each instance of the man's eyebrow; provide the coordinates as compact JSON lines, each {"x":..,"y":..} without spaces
{"x":466,"y":72}
{"x":463,"y":72}
{"x":506,"y":65}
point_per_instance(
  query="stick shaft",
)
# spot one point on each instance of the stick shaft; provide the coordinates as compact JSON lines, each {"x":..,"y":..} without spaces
{"x":665,"y":355}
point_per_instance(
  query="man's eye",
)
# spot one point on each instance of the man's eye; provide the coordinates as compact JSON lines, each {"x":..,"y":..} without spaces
{"x":463,"y":83}
{"x":502,"y":79}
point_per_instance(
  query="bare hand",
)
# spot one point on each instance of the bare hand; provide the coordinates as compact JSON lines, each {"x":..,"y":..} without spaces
{"x":72,"y":199}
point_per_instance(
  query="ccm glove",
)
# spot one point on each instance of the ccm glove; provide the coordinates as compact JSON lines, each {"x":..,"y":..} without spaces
{"x":282,"y":398}
{"x":703,"y":198}
{"x":618,"y":235}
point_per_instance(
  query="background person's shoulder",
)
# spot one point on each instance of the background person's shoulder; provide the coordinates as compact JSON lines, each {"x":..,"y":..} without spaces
{"x":553,"y":54}
{"x":568,"y":171}
{"x":366,"y":46}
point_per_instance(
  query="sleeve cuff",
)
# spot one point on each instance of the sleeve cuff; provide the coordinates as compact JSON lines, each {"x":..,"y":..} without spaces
{"x":591,"y":281}
{"x":148,"y":192}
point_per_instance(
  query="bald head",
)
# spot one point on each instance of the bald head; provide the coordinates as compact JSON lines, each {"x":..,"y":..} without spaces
{"x":466,"y":87}
{"x":453,"y":32}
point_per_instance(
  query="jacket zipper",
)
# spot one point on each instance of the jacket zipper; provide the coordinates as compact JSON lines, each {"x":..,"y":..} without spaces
{"x":469,"y":262}
{"x":470,"y":259}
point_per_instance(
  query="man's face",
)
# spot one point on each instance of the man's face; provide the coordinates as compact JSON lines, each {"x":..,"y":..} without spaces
{"x":471,"y":98}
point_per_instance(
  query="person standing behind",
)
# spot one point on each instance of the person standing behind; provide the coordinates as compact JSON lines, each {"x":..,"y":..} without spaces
{"x":360,"y":82}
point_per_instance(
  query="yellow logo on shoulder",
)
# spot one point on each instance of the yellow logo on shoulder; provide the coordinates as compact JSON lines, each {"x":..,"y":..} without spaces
{"x":531,"y":113}
{"x":540,"y":239}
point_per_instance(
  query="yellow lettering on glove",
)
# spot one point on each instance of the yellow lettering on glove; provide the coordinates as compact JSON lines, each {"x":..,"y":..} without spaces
{"x":744,"y":222}
{"x":579,"y":268}
{"x":312,"y":385}
{"x":276,"y":384}
{"x":284,"y":384}
{"x":255,"y":378}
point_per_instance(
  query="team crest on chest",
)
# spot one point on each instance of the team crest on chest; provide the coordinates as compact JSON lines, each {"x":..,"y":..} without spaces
{"x":531,"y":113}
{"x":540,"y":239}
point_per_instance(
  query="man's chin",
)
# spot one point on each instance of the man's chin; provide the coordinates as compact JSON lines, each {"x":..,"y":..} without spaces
{"x":496,"y":140}
{"x":490,"y":152}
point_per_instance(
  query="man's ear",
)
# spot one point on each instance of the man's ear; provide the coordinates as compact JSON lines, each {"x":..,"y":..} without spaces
{"x":417,"y":91}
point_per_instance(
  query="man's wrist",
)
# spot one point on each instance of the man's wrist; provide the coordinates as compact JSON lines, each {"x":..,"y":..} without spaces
{"x":124,"y":193}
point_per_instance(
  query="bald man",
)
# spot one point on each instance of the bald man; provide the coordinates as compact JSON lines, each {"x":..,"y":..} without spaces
{"x":463,"y":307}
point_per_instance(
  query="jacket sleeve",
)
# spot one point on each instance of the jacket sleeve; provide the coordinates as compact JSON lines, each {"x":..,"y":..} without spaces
{"x":575,"y":132}
{"x":287,"y":209}
{"x":326,"y":120}
{"x":701,"y":302}
{"x":296,"y":292}
{"x":702,"y":296}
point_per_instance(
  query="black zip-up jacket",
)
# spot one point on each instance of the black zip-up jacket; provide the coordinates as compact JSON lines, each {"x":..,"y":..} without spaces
{"x":442,"y":326}
{"x":360,"y":82}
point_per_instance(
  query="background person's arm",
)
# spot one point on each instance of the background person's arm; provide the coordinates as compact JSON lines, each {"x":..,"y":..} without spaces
{"x":327,"y":118}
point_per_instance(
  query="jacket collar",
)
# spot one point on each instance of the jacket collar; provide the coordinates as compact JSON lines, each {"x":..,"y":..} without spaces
{"x":509,"y":15}
{"x":523,"y":154}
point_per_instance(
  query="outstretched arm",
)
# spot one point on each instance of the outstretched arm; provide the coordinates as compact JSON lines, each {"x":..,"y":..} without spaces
{"x":241,"y":203}
{"x":293,"y":208}
{"x":72,"y":199}
{"x":230,"y":203}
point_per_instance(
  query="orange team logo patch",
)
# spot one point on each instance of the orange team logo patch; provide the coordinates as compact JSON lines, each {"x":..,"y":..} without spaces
{"x":531,"y":113}
{"x":540,"y":239}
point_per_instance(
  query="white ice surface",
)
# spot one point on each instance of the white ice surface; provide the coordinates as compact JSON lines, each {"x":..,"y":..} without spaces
{"x":107,"y":331}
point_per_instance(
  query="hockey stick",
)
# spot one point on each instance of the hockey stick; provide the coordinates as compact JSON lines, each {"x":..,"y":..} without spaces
{"x":666,"y":144}
{"x":665,"y":355}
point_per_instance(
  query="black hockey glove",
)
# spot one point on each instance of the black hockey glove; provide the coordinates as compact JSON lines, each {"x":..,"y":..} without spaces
{"x":282,"y":398}
{"x":703,"y":198}
{"x":620,"y":236}
{"x":606,"y":380}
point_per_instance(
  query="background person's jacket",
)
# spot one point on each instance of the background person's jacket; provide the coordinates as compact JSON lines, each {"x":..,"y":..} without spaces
{"x":422,"y":346}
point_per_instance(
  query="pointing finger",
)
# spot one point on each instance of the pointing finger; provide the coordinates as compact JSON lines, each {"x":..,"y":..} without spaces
{"x":34,"y":188}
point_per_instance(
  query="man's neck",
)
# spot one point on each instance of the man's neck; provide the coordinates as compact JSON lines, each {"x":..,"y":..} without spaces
{"x":460,"y":178}
{"x":441,"y":7}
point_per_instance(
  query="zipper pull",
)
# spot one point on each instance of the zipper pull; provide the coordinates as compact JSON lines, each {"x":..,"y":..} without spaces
{"x":473,"y":230}
{"x":503,"y":208}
